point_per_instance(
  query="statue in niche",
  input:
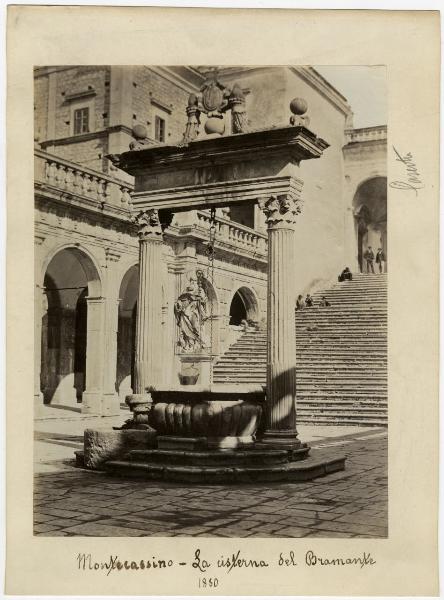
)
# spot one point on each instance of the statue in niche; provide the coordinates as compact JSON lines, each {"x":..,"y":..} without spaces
{"x":190,"y":310}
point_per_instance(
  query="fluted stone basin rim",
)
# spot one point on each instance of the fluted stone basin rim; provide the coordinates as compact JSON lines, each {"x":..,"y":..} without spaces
{"x":207,"y":393}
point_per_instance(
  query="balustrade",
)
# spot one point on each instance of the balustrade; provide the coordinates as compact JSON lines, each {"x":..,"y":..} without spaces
{"x":70,"y":177}
{"x":234,"y":233}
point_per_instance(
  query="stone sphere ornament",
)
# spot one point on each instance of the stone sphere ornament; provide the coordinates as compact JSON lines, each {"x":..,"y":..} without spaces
{"x":298,"y":106}
{"x":140,"y":132}
{"x":214,"y":125}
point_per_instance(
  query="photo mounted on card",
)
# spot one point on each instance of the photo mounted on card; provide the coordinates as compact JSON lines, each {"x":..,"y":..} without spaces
{"x":228,"y":366}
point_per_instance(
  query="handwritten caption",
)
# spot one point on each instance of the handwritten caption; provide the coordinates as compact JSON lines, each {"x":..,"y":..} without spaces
{"x":412,"y":179}
{"x":210,"y":570}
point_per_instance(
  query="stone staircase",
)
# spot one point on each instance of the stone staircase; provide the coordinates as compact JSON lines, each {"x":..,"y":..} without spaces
{"x":341,"y":357}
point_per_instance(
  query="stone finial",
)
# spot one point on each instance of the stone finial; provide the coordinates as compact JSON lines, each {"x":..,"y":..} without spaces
{"x":236,"y":102}
{"x":148,"y":224}
{"x":193,"y":122}
{"x":140,"y":134}
{"x":281,"y":209}
{"x":299,"y":107}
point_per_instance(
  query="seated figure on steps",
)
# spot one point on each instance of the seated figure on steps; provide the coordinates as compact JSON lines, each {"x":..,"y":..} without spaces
{"x":345,"y":275}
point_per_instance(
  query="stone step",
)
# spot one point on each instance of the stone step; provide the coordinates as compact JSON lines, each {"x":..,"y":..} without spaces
{"x":310,"y":350}
{"x":339,"y":421}
{"x":251,"y":457}
{"x":307,"y":373}
{"x":340,"y":402}
{"x":339,"y":342}
{"x":317,"y":464}
{"x":333,"y":412}
{"x":301,"y":362}
{"x":319,"y":375}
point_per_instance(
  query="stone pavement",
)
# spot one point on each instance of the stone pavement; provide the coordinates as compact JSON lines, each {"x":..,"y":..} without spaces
{"x":76,"y":502}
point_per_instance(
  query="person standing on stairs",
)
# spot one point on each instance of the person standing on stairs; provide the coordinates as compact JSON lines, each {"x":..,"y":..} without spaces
{"x":380,"y":260}
{"x":300,"y":302}
{"x":369,"y":258}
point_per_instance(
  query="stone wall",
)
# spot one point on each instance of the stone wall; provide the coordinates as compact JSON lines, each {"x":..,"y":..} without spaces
{"x":40,"y":107}
{"x":154,"y":95}
{"x":77,"y":80}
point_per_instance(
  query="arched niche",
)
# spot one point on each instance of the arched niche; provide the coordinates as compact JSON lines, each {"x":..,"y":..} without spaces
{"x":70,"y":277}
{"x":370,"y":212}
{"x":243,"y":306}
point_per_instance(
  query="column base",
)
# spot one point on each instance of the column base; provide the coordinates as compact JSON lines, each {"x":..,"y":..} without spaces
{"x":287,"y":439}
{"x":92,"y":403}
{"x":111,"y":405}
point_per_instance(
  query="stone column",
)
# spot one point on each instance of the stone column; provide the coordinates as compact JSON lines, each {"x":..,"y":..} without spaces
{"x":111,"y":402}
{"x":92,"y":397}
{"x":281,"y":429}
{"x":148,"y":364}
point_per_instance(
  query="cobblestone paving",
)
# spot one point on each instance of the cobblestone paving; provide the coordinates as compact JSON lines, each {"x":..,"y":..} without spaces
{"x":352,"y":503}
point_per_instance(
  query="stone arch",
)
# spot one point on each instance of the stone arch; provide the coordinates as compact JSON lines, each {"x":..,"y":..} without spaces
{"x":243,"y":305}
{"x":87,"y":260}
{"x":70,"y":278}
{"x":126,"y":331}
{"x":370,"y":213}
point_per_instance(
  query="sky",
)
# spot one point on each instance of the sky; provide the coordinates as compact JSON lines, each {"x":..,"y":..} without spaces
{"x":365,"y":89}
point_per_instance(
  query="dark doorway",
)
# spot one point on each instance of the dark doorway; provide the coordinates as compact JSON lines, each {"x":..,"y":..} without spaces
{"x":238,"y":312}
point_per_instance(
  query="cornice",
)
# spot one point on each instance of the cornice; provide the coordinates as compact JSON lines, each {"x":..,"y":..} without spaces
{"x":296,"y":143}
{"x":85,"y":137}
{"x":45,"y":192}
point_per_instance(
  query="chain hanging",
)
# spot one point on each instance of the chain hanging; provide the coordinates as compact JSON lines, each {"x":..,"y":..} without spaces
{"x":210,"y":278}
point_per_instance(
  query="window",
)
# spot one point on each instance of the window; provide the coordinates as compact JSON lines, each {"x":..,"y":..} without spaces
{"x":159,"y":132}
{"x":81,"y":120}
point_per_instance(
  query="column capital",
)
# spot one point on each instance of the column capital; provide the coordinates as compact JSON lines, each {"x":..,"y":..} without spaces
{"x":148,"y":224}
{"x":281,"y":210}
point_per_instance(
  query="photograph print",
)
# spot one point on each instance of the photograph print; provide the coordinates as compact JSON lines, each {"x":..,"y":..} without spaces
{"x":211,"y":262}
